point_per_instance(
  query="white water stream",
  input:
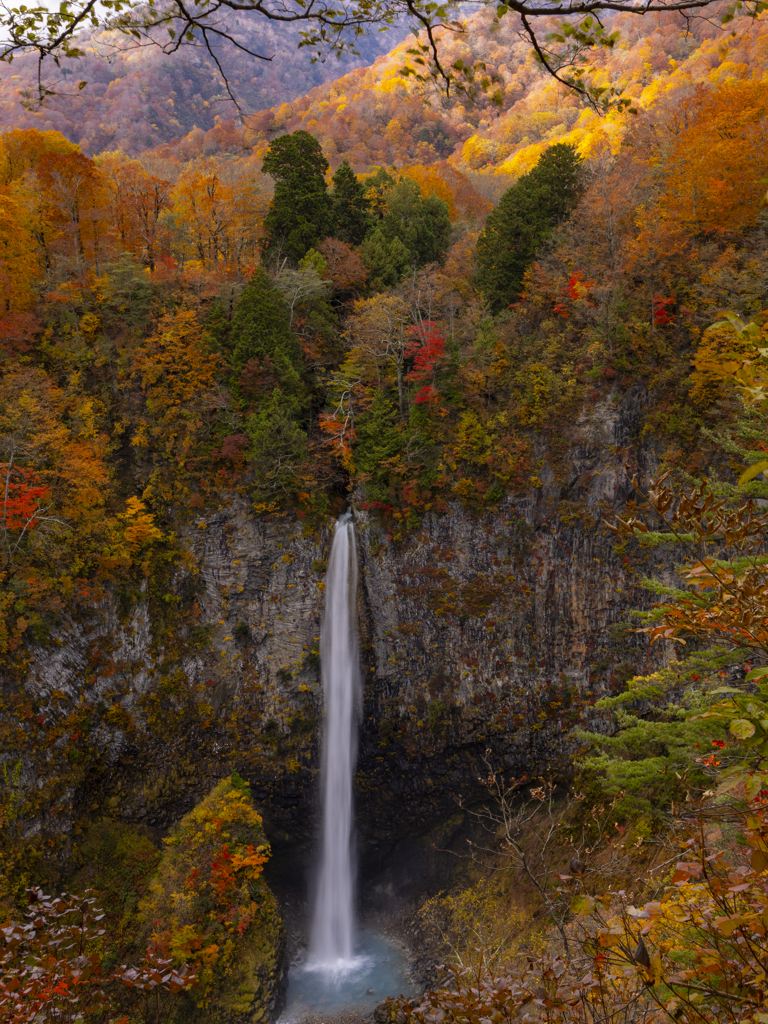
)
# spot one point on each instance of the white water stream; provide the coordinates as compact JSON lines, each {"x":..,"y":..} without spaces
{"x":332,"y":944}
{"x":344,"y":970}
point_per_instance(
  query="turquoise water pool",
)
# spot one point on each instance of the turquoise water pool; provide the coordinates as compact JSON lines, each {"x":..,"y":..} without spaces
{"x":377,"y":970}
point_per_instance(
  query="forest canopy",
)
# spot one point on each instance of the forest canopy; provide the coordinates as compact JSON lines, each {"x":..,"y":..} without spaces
{"x":363,"y":338}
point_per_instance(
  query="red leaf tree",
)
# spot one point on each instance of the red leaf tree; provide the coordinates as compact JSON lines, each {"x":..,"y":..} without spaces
{"x":427,"y":350}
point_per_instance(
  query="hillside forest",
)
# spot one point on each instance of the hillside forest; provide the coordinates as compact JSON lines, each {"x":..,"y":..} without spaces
{"x":372,"y":294}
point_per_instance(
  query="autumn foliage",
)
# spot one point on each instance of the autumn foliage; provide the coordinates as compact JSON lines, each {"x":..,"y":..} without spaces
{"x":426,"y":351}
{"x":696,"y":953}
{"x":53,"y":969}
{"x":169,"y":351}
{"x":207,"y":895}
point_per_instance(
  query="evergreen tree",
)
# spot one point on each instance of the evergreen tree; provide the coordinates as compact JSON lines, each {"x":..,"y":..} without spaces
{"x":299,"y":216}
{"x":560,"y":180}
{"x":278,"y":446}
{"x":433,"y":236}
{"x":421,"y":223}
{"x":217,"y":325}
{"x":261,"y":327}
{"x":377,"y":439}
{"x":351,"y":210}
{"x":527,"y":213}
{"x":386,"y":260}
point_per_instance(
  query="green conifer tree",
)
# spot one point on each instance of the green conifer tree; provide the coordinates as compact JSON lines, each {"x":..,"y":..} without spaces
{"x":217,"y":324}
{"x":434,"y":234}
{"x":299,"y":216}
{"x":261,"y":327}
{"x":527,"y":213}
{"x":278,"y":448}
{"x":559,"y":175}
{"x":377,"y":439}
{"x":386,"y":260}
{"x":420,"y":222}
{"x":351,"y":210}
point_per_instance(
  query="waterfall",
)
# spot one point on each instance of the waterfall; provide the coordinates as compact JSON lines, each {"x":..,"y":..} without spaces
{"x":344,"y":972}
{"x":333,"y":926}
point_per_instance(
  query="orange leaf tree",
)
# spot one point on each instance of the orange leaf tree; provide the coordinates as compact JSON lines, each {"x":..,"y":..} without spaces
{"x":178,"y":376}
{"x":54,"y":488}
{"x":208,"y":895}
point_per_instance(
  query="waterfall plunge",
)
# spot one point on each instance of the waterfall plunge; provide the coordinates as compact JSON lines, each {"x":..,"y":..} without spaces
{"x":333,"y":927}
{"x":343,"y":971}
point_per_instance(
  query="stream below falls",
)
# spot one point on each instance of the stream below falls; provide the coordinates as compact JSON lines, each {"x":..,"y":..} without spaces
{"x":377,"y":969}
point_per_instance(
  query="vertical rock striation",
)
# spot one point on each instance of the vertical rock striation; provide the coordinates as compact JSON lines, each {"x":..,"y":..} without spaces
{"x":478,"y":633}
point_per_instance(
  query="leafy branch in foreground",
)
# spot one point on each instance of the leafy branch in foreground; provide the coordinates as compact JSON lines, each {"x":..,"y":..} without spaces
{"x":328,"y":28}
{"x":51,"y":968}
{"x":695,"y":954}
{"x":727,"y":572}
{"x":746,"y":716}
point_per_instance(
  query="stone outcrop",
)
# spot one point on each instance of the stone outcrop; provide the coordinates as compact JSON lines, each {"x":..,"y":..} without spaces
{"x":479,"y":633}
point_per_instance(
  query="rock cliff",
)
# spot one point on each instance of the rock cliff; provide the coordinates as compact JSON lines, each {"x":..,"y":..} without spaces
{"x":479,"y":633}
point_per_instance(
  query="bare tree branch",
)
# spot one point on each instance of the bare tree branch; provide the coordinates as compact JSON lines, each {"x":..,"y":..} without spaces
{"x":333,"y":28}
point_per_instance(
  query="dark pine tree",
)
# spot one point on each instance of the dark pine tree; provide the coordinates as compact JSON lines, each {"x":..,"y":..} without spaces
{"x":260,"y":329}
{"x":387,"y":261}
{"x":299,"y":216}
{"x":217,"y":324}
{"x":278,"y":446}
{"x":351,"y":210}
{"x":377,"y":440}
{"x":527,"y":213}
{"x":420,"y":222}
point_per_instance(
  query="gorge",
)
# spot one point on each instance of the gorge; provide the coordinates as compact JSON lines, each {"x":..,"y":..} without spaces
{"x":473,"y":624}
{"x":330,"y":520}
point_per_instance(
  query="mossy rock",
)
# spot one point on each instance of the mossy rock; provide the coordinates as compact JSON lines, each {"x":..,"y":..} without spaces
{"x":209,"y":906}
{"x":249,"y":994}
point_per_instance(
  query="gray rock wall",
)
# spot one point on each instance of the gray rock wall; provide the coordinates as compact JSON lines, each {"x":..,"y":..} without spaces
{"x":479,"y":633}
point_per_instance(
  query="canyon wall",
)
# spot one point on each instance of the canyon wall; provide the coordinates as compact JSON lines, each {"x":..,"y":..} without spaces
{"x":479,"y":632}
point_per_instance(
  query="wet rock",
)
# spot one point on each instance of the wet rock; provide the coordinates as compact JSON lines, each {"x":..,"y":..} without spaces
{"x":483,"y":636}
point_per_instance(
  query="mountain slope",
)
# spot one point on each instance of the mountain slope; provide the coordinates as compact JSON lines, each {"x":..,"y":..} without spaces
{"x":137,"y":98}
{"x":177,"y":108}
{"x":371,"y":116}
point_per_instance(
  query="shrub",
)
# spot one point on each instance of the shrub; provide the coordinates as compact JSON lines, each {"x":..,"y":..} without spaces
{"x":208,"y":900}
{"x":51,"y":969}
{"x":694,"y":955}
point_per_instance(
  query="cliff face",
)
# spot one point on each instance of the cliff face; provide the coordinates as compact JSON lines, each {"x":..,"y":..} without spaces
{"x":486,"y":639}
{"x":478,"y":633}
